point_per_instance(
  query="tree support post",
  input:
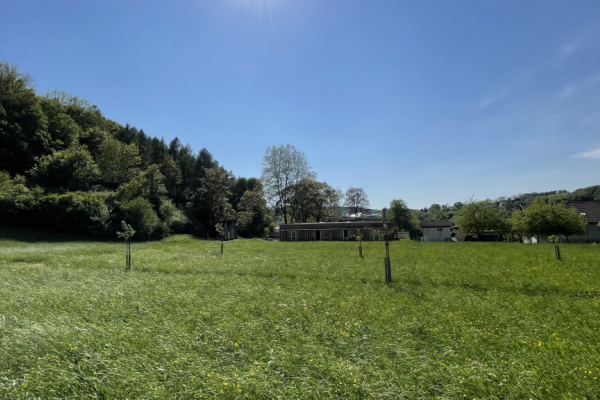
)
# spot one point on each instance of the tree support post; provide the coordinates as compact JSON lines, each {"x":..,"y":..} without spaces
{"x":388,"y":264}
{"x":127,"y":256}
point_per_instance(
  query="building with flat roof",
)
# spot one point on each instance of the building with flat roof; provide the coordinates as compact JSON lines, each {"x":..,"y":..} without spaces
{"x":342,"y":231}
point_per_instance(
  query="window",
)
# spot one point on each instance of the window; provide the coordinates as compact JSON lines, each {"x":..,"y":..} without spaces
{"x":374,"y":237}
{"x":440,"y":229}
{"x":294,"y":236}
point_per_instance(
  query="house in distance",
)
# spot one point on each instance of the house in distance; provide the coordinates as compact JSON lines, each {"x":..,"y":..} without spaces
{"x":341,"y":231}
{"x":590,"y":211}
{"x":436,"y":231}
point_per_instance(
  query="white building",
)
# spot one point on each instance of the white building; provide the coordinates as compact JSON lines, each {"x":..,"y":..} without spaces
{"x":436,"y":231}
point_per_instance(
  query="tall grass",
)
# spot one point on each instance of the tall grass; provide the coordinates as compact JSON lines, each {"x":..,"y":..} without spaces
{"x":290,"y":320}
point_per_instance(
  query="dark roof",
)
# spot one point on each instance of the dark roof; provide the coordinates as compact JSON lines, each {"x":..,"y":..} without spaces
{"x":591,"y":209}
{"x":436,"y":224}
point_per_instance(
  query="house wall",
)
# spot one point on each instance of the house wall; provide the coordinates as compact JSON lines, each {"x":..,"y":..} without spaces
{"x":335,"y":235}
{"x":433,"y":235}
{"x":592,"y":234}
{"x":536,"y":240}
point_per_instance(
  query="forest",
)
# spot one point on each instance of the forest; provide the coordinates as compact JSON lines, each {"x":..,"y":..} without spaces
{"x":64,"y":165}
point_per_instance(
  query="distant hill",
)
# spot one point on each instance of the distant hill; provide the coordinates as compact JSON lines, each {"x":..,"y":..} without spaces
{"x":589,"y":193}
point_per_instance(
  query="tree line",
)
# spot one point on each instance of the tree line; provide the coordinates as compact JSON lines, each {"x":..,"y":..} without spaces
{"x":65,"y":165}
{"x":510,"y":218}
{"x":540,"y":219}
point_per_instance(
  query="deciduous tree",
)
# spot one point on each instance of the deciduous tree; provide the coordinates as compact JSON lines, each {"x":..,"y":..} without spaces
{"x":541,"y":219}
{"x":23,"y":125}
{"x":356,"y":201}
{"x":283,"y":166}
{"x":400,"y":215}
{"x":213,"y":195}
{"x":478,"y":218}
{"x":118,"y":162}
{"x":253,"y":214}
{"x":71,"y":169}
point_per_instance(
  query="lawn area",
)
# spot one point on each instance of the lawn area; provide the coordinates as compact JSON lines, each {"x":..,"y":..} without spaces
{"x":290,"y":320}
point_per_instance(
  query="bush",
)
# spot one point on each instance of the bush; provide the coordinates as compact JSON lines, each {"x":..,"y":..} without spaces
{"x":173,"y":218}
{"x":140,"y":215}
{"x":541,"y":219}
{"x":71,"y":169}
{"x":82,"y":212}
{"x":17,"y":200}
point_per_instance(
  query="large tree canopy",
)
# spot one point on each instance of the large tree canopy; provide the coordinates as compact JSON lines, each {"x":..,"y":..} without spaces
{"x":541,"y":219}
{"x":478,"y":218}
{"x":400,"y":215}
{"x":23,"y":124}
{"x":283,"y":166}
{"x":314,"y":201}
{"x":356,"y":201}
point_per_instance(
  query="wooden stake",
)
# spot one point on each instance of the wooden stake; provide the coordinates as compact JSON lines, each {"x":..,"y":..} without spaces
{"x":127,"y":256}
{"x":388,"y":264}
{"x":388,"y":270}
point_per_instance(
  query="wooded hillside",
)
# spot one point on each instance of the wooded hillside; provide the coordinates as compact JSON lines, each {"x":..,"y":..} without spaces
{"x":65,"y":165}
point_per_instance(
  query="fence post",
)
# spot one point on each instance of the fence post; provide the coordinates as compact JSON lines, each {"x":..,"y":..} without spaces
{"x":388,"y":264}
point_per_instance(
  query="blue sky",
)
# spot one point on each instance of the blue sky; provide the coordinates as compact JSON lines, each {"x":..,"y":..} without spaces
{"x":428,"y":101}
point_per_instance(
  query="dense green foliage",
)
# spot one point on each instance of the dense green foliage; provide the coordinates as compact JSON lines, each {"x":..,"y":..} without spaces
{"x":505,"y":206}
{"x":544,"y":219}
{"x":539,"y":219}
{"x":64,"y":165}
{"x":283,"y":169}
{"x":297,"y":320}
{"x":482,"y":217}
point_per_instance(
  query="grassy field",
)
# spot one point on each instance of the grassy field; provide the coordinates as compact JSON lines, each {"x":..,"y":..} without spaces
{"x":290,"y":320}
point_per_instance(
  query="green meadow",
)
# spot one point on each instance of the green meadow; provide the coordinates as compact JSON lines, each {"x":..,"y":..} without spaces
{"x":274,"y":320}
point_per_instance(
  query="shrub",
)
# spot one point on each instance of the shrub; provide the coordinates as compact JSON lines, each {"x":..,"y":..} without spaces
{"x":173,"y":218}
{"x":70,"y":169}
{"x":17,"y":200}
{"x":140,"y":215}
{"x":82,"y":212}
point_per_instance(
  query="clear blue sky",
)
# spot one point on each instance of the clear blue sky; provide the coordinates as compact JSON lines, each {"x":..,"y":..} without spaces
{"x":428,"y":101}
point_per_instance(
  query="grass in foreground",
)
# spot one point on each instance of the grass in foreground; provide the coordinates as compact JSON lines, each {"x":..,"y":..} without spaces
{"x":290,"y":320}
